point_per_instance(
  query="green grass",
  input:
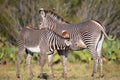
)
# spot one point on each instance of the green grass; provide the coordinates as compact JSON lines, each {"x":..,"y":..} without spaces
{"x":76,"y":71}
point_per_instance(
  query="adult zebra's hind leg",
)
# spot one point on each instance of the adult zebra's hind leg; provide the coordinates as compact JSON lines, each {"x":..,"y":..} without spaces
{"x":99,"y":48}
{"x":96,"y":54}
{"x":97,"y":59}
{"x":95,"y":65}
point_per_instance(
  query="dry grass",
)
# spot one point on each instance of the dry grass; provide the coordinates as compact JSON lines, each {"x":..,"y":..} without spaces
{"x":76,"y":71}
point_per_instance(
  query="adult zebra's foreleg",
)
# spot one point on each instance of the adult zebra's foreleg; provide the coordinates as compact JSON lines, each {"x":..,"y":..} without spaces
{"x":64,"y":62}
{"x":64,"y":54}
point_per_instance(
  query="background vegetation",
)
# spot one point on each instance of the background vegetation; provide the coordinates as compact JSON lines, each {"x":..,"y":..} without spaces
{"x":16,"y":14}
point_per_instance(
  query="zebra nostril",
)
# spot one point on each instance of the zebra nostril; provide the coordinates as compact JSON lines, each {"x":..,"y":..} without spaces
{"x":76,"y":43}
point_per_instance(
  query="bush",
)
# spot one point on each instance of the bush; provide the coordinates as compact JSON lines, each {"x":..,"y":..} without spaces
{"x":8,"y":53}
{"x":110,"y":52}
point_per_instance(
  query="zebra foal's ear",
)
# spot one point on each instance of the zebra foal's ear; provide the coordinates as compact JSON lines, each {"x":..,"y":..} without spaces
{"x":42,"y":12}
{"x":65,"y":34}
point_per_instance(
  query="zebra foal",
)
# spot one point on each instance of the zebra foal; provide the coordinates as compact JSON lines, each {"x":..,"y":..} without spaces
{"x":89,"y":34}
{"x":41,"y":41}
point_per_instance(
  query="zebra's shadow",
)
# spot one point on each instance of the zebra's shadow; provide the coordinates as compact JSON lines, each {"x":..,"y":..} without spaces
{"x":45,"y":76}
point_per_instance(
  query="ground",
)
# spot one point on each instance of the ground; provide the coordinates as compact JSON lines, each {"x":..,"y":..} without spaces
{"x":76,"y":71}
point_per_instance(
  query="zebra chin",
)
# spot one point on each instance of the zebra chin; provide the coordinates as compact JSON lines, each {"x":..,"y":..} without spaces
{"x":72,"y":47}
{"x":76,"y":48}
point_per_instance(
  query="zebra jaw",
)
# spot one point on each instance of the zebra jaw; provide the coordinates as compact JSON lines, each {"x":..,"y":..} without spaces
{"x":68,"y":42}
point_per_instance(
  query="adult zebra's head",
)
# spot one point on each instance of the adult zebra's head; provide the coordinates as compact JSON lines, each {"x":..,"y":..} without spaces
{"x":50,"y":20}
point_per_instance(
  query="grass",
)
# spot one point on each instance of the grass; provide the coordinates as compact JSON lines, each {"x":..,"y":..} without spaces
{"x":76,"y":71}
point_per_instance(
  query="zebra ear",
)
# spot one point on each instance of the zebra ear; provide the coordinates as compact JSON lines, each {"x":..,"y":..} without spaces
{"x":65,"y":34}
{"x":42,"y":12}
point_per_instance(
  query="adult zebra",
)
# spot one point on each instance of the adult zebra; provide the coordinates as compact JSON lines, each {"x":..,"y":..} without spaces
{"x":43,"y":41}
{"x":89,"y":34}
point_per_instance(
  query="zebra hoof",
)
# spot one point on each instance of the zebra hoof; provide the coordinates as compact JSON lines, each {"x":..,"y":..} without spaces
{"x":31,"y":75}
{"x":52,"y":76}
{"x":101,"y":75}
{"x":18,"y":76}
{"x":64,"y":75}
{"x":92,"y":75}
{"x":40,"y":76}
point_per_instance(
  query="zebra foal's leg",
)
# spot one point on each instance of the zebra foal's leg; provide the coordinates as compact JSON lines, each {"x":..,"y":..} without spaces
{"x":28,"y":59}
{"x":50,"y":64}
{"x":42,"y":62}
{"x":19,"y":55}
{"x":64,"y":54}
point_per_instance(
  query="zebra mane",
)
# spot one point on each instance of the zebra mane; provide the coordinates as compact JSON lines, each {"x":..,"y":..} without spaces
{"x":55,"y":16}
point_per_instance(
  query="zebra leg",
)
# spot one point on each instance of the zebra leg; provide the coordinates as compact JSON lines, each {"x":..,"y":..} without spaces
{"x":101,"y":67}
{"x":19,"y":55}
{"x":95,"y":66}
{"x":63,"y":54}
{"x":42,"y":62}
{"x":50,"y":58}
{"x":95,"y":59}
{"x":99,"y":47}
{"x":64,"y":62}
{"x":28,"y":59}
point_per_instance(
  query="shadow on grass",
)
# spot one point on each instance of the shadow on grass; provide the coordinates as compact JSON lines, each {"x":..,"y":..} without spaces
{"x":45,"y":76}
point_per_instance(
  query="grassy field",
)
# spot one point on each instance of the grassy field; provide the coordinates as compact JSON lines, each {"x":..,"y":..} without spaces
{"x":76,"y":71}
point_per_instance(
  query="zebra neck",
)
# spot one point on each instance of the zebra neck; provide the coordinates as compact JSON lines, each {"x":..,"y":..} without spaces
{"x":72,"y":30}
{"x":58,"y":29}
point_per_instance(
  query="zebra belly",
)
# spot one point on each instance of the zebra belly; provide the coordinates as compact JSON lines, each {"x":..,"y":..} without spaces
{"x":34,"y":49}
{"x":80,"y":44}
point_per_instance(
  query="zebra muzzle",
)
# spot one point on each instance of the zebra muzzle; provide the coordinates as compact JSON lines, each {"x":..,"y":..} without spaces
{"x":68,"y":42}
